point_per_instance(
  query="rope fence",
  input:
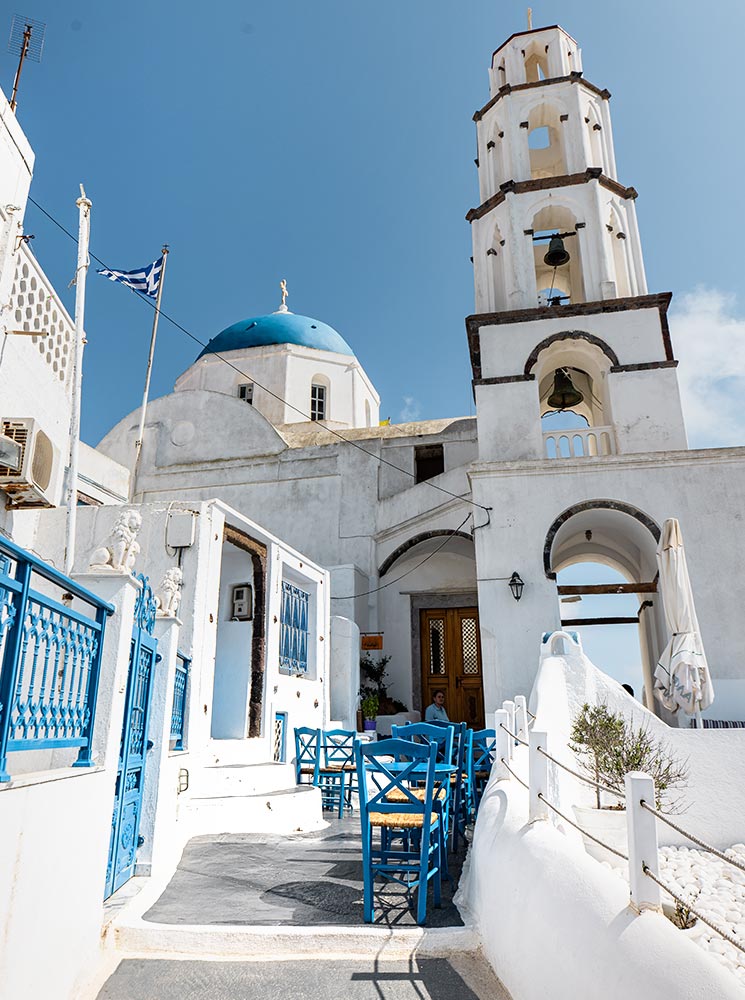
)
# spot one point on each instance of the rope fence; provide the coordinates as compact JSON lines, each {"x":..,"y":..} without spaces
{"x":645,"y":885}
{"x":582,"y":777}
{"x":695,"y":840}
{"x":513,"y":735}
{"x":515,"y":776}
{"x":699,"y":916}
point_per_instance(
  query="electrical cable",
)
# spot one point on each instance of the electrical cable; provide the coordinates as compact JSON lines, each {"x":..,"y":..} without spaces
{"x":390,"y":583}
{"x":246,"y":375}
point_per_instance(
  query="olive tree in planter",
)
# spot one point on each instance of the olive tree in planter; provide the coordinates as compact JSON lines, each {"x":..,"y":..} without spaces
{"x":608,"y":746}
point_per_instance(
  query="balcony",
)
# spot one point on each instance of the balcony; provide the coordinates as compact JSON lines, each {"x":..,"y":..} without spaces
{"x":577,"y":442}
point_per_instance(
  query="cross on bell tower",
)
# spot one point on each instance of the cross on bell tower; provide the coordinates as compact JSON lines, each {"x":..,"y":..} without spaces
{"x":558,"y":264}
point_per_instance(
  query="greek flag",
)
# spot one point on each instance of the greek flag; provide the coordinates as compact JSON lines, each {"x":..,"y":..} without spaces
{"x":145,"y":280}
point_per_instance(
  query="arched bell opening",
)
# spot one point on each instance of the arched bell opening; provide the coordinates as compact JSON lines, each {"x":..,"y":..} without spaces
{"x":546,"y":150}
{"x":573,"y":396}
{"x":557,"y":257}
{"x":617,"y":234}
{"x":602,"y":555}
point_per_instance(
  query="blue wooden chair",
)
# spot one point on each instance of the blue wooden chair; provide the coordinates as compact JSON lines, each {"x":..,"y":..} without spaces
{"x":338,"y":770}
{"x":461,"y":779}
{"x":483,"y":754}
{"x":441,"y":734}
{"x":307,"y":755}
{"x":386,"y":770}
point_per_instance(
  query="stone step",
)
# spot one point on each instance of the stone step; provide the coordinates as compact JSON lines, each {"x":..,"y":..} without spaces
{"x":283,"y":811}
{"x":264,"y":943}
{"x":242,"y":779}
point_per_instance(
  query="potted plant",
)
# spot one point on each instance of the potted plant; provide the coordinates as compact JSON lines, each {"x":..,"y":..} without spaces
{"x":608,"y":746}
{"x":373,"y":672}
{"x":369,"y":706}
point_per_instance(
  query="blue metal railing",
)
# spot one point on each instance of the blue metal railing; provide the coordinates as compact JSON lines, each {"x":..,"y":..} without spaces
{"x":178,"y":712}
{"x":50,"y":659}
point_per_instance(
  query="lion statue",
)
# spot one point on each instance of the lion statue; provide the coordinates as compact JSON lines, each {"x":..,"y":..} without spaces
{"x":169,"y":592}
{"x":120,"y":549}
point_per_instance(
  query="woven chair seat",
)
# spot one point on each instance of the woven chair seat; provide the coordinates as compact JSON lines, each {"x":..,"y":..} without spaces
{"x":337,"y":768}
{"x":307,"y":770}
{"x":401,"y":821}
{"x":483,"y":774}
{"x":399,"y":795}
{"x":454,"y":777}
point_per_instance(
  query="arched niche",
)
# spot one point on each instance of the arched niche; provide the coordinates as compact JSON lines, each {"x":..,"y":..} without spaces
{"x":428,"y":542}
{"x":622,"y":537}
{"x":546,"y":148}
{"x":536,"y":62}
{"x":616,"y":227}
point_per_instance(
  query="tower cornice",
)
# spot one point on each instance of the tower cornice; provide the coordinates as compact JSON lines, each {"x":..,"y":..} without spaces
{"x":474,"y":324}
{"x":508,"y":89}
{"x":549,"y":183}
{"x":531,"y":31}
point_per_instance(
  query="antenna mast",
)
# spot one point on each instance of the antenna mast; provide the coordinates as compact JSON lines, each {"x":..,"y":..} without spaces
{"x":26,"y":41}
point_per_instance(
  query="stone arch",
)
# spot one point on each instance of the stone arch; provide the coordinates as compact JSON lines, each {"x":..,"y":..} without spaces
{"x":600,"y":504}
{"x":423,"y":536}
{"x":569,"y":335}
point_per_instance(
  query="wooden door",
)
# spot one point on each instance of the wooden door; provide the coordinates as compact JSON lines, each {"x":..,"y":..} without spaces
{"x":451,"y":660}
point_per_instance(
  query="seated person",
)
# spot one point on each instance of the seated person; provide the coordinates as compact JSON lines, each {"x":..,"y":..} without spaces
{"x":436,"y":711}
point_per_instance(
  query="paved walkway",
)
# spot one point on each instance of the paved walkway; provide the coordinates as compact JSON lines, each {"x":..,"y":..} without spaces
{"x":466,"y":978}
{"x":305,"y":880}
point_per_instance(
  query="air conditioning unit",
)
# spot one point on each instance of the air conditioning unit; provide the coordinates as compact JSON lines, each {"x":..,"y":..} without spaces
{"x":31,"y":481}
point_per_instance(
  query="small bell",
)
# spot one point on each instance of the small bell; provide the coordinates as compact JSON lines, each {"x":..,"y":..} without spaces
{"x":556,"y":254}
{"x":565,"y":394}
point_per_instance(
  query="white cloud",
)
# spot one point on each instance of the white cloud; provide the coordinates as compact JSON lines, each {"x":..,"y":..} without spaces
{"x":709,"y":341}
{"x":411,"y":410}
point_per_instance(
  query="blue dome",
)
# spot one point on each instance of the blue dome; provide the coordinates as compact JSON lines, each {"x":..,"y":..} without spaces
{"x":278,"y":328}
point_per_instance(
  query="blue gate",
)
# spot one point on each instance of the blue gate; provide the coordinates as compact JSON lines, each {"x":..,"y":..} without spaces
{"x":130,"y":776}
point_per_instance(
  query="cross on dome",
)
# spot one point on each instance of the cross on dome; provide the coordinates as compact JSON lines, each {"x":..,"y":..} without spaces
{"x":283,"y":305}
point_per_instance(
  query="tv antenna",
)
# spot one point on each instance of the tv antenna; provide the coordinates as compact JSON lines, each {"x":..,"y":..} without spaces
{"x":27,"y":42}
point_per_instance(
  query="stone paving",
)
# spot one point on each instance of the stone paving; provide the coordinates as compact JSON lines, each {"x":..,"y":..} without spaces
{"x":303,"y":880}
{"x":466,"y":978}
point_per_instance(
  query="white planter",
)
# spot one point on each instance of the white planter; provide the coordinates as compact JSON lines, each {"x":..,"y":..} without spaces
{"x":608,"y":825}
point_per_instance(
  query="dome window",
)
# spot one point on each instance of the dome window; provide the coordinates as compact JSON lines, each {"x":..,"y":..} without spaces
{"x":317,"y":401}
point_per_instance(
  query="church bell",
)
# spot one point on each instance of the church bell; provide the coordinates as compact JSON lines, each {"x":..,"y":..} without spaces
{"x":565,"y":394}
{"x":556,"y":254}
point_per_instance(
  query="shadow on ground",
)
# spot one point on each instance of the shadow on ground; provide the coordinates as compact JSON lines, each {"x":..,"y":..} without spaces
{"x":302,"y":880}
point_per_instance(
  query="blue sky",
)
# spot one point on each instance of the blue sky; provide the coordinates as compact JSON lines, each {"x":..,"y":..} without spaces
{"x":331,"y":144}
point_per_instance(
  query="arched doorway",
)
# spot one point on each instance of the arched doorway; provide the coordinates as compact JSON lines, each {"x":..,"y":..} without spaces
{"x":431,"y":624}
{"x":602,"y":554}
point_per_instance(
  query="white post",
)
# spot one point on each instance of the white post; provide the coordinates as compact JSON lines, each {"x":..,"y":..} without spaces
{"x":521,"y":710}
{"x":489,"y":722}
{"x":502,"y":718}
{"x":537,"y":775}
{"x":642,"y":830}
{"x":509,"y":707}
{"x":148,"y":373}
{"x":84,"y":229}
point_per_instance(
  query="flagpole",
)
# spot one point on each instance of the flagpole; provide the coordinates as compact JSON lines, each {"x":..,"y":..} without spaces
{"x":84,"y":231}
{"x":145,"y":394}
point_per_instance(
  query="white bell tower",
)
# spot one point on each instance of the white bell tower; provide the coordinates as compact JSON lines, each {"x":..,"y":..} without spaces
{"x":547,"y":170}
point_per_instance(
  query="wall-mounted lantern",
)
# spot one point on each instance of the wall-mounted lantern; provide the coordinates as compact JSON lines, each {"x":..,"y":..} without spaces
{"x":516,"y":586}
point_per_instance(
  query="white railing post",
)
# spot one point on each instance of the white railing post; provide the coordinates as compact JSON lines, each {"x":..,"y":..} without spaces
{"x":509,"y":707}
{"x":537,"y":775}
{"x":502,"y":718}
{"x":642,"y":830}
{"x":489,"y":721}
{"x":521,"y":721}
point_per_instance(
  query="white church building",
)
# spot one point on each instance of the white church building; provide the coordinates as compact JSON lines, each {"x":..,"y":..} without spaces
{"x":273,"y":519}
{"x":422,"y":525}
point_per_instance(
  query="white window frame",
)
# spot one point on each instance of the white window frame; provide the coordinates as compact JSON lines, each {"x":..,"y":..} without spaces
{"x":318,"y":401}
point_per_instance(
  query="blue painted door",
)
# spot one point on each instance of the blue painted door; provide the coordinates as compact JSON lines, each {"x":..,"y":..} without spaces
{"x":130,"y":776}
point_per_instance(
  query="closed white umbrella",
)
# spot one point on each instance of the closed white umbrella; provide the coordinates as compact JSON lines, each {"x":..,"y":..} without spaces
{"x":682,"y":678}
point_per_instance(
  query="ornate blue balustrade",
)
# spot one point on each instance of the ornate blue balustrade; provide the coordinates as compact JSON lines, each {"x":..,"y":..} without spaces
{"x":178,"y":712}
{"x":50,"y":658}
